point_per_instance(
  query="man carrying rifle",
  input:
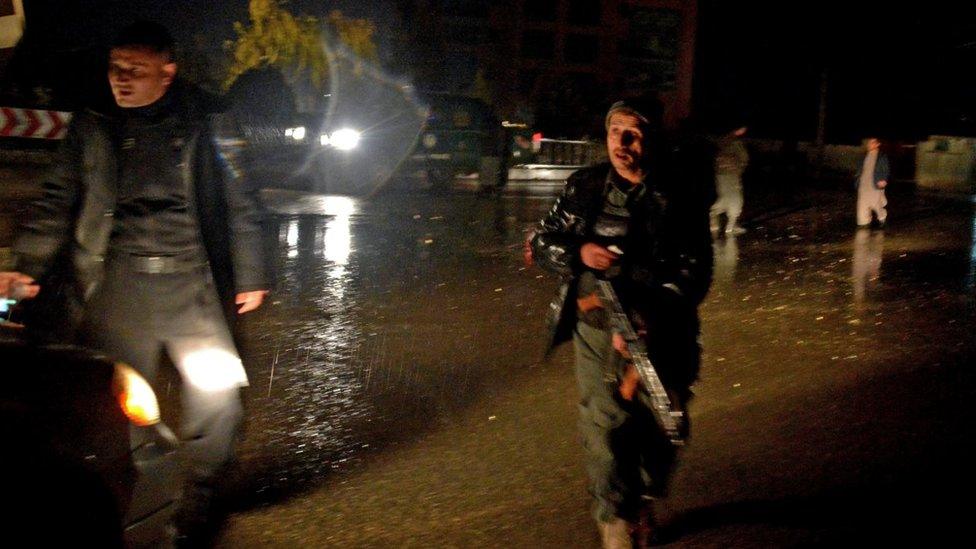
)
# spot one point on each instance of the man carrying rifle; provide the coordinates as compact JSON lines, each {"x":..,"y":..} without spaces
{"x":641,"y":223}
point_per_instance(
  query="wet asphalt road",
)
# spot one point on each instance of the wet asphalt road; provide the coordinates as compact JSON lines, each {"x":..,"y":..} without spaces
{"x":398,"y":397}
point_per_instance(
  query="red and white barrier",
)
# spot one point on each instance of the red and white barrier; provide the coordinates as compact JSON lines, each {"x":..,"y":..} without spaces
{"x":33,"y":123}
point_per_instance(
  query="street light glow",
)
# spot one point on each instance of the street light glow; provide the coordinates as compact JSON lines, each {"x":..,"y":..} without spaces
{"x":298,"y":134}
{"x":345,"y":139}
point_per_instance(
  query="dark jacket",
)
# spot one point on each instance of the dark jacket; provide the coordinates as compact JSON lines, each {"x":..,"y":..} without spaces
{"x":881,"y":171}
{"x":73,"y":220}
{"x":668,"y":261}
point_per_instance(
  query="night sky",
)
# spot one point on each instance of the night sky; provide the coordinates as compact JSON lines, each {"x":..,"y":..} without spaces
{"x":900,"y":71}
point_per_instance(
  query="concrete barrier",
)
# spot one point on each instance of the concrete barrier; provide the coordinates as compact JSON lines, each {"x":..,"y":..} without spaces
{"x":33,"y":123}
{"x":947,"y":163}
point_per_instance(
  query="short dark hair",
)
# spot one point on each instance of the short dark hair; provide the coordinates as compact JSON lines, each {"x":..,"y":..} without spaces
{"x":647,"y":108}
{"x":145,"y":34}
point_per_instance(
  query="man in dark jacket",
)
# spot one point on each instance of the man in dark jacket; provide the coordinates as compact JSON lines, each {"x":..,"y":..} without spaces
{"x":641,"y":222}
{"x":153,"y":220}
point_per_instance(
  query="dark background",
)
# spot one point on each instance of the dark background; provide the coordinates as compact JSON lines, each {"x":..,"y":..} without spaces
{"x":899,"y":71}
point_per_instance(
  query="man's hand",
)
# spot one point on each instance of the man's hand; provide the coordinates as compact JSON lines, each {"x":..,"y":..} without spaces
{"x":620,"y":345}
{"x":629,"y":383}
{"x":882,"y":184}
{"x":631,"y":379}
{"x":14,"y":285}
{"x":597,"y":257}
{"x":527,"y":250}
{"x":249,"y":301}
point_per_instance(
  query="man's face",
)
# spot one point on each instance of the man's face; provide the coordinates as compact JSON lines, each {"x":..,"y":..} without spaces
{"x":139,"y":76}
{"x":625,"y":143}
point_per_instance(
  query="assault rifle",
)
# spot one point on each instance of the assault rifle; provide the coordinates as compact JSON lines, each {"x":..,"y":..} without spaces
{"x":668,"y":417}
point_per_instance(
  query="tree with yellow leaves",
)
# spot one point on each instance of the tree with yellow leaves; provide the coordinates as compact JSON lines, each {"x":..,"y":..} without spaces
{"x":293,"y":44}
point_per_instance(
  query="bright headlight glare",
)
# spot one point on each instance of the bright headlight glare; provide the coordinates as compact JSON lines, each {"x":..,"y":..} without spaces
{"x":345,"y":139}
{"x":213,"y":370}
{"x":298,"y":133}
{"x":324,"y":140}
{"x":134,"y":395}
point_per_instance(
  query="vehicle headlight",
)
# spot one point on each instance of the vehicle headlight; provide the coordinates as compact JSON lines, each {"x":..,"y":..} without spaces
{"x":325,"y":140}
{"x":345,"y":139}
{"x":135,"y":396}
{"x":298,"y":134}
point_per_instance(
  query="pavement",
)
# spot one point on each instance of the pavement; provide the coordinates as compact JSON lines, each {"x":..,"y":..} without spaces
{"x":833,"y":406}
{"x":398,"y":397}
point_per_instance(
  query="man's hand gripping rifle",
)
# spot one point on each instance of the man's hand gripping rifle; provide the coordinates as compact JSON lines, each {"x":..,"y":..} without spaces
{"x":668,"y":417}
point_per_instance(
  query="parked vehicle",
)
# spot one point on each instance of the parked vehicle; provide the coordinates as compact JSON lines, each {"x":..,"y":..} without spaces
{"x":458,"y":133}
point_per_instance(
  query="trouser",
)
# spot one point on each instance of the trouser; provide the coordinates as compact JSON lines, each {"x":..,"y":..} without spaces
{"x":135,"y":317}
{"x":871,"y":200}
{"x":729,"y":200}
{"x":627,"y":455}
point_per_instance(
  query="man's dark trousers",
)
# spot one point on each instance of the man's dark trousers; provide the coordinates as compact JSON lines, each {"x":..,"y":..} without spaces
{"x":136,"y":316}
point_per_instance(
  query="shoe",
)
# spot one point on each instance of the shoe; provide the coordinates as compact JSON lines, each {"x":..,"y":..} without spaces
{"x":616,"y":534}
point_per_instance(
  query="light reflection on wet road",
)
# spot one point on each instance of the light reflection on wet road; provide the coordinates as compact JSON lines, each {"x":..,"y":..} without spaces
{"x":393,"y":315}
{"x":371,"y":333}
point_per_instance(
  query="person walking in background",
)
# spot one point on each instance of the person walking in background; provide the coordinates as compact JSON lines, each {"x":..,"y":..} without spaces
{"x":871,"y":181}
{"x":730,"y":161}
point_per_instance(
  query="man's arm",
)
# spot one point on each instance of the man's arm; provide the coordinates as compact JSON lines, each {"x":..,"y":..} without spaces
{"x":557,"y":243}
{"x":686,"y":269}
{"x":690,"y":276}
{"x":244,"y":217}
{"x":882,"y":171}
{"x":50,"y":219}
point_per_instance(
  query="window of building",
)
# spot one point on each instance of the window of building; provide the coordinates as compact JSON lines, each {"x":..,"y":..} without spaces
{"x":537,"y":44}
{"x":582,"y":49}
{"x":651,"y":48}
{"x":584,"y":83}
{"x":465,"y":8}
{"x":585,"y":12}
{"x":540,"y":10}
{"x":527,"y":80}
{"x":467,"y":33}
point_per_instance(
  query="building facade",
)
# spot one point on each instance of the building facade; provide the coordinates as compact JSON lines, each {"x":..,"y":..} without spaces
{"x":530,"y":57}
